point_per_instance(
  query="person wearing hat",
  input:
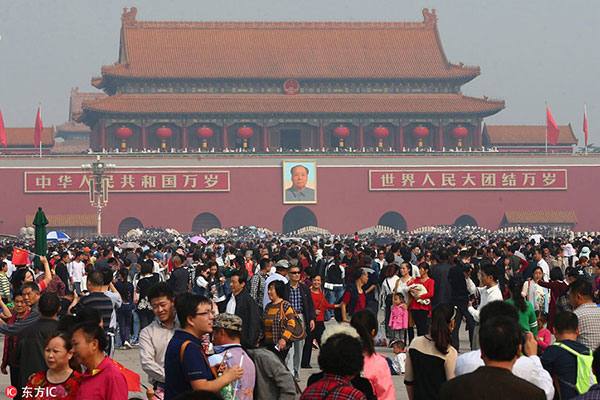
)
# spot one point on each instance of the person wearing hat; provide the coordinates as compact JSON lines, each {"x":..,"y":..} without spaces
{"x":227,"y":334}
{"x":280,"y":274}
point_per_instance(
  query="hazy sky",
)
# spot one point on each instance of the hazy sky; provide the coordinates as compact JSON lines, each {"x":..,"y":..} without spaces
{"x":529,"y":51}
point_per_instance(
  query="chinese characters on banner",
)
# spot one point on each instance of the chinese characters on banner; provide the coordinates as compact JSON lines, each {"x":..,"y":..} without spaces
{"x":129,"y":181}
{"x":463,"y":179}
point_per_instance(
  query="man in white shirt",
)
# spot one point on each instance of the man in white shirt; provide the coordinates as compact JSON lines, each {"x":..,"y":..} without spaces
{"x":155,"y":338}
{"x":528,"y":367}
{"x":490,"y":291}
{"x":539,"y":257}
{"x":76,"y":271}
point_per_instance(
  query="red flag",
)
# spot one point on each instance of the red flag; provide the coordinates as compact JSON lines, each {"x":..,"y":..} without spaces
{"x":37,"y":134}
{"x":2,"y":132}
{"x":551,"y":128}
{"x":19,"y":256}
{"x":584,"y":126}
{"x":133,"y":379}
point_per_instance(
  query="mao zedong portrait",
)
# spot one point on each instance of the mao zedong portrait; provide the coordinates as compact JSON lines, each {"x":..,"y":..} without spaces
{"x":299,"y":191}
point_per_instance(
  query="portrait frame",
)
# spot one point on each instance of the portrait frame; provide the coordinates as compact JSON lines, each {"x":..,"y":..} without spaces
{"x":289,"y":193}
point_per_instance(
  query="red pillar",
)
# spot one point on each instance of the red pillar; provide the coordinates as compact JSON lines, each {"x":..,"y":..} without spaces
{"x":225,"y":145}
{"x":321,"y":142}
{"x":184,"y":136}
{"x":401,"y":135}
{"x":265,"y":136}
{"x":143,"y":134}
{"x":361,"y":137}
{"x":479,"y":135}
{"x":441,"y":136}
{"x":103,"y":135}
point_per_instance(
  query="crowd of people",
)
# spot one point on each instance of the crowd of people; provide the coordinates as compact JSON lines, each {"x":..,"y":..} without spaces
{"x":239,"y":319}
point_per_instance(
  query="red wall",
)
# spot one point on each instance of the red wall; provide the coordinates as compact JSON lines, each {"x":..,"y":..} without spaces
{"x":345,"y":203}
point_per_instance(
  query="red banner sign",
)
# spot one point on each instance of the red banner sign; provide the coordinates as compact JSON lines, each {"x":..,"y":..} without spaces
{"x":129,"y":181}
{"x":468,"y":179}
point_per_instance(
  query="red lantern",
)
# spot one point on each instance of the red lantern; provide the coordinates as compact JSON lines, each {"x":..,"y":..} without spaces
{"x":164,"y":133}
{"x":381,"y":132}
{"x":204,"y":133}
{"x":420,"y":132}
{"x":245,"y":133}
{"x":459,"y":133}
{"x":123,"y":132}
{"x":341,"y":132}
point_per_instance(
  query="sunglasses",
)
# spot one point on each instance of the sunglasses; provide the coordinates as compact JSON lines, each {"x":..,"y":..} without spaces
{"x":294,"y":272}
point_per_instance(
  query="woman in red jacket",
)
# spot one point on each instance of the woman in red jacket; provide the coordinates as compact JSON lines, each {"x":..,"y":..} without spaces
{"x":320,"y":306}
{"x":421,"y":290}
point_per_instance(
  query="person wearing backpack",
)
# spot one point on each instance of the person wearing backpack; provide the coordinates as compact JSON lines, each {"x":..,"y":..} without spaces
{"x":568,"y":361}
{"x":594,"y":392}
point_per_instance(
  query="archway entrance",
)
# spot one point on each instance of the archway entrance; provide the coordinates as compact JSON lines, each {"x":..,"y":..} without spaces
{"x":393,"y":220}
{"x":204,"y":222}
{"x":128,"y":224}
{"x":298,"y":217}
{"x":465,"y":220}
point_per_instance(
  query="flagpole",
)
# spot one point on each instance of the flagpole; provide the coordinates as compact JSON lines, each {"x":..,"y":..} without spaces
{"x":546,"y":137}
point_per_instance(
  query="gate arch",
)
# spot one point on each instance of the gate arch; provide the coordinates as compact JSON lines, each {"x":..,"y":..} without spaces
{"x":393,"y":220}
{"x":128,"y":224}
{"x":298,"y":217}
{"x":465,"y":220}
{"x":204,"y":222}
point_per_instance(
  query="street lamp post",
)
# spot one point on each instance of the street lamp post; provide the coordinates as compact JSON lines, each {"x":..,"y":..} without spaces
{"x":98,"y":187}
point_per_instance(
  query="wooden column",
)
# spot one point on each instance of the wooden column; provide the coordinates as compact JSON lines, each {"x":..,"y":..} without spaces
{"x":225,"y":145}
{"x":184,"y":135}
{"x":321,"y":135}
{"x":265,"y":136}
{"x":401,"y":136}
{"x":103,"y":135}
{"x":479,"y":135}
{"x":441,"y":136}
{"x":361,"y":137}
{"x":143,"y":134}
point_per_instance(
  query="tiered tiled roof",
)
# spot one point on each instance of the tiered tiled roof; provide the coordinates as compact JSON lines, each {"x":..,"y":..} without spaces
{"x":526,"y":134}
{"x":540,"y":217}
{"x":300,"y":104}
{"x":280,"y":50}
{"x":23,"y":137}
{"x":77,"y":99}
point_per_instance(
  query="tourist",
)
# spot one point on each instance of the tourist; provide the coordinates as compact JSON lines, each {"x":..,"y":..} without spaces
{"x":31,"y":296}
{"x":399,"y":317}
{"x":500,"y":339}
{"x":227,"y":334}
{"x":179,"y":279}
{"x":277,"y":321}
{"x":147,"y":280}
{"x":490,"y":291}
{"x":389,"y":287}
{"x":257,"y":282}
{"x":376,"y":368}
{"x":125,"y":311}
{"x":341,"y":360}
{"x":539,"y":258}
{"x":430,"y":358}
{"x":442,"y":293}
{"x":527,"y":367}
{"x":301,"y":300}
{"x":544,"y":337}
{"x":561,"y":359}
{"x":527,"y":319}
{"x":421,"y":291}
{"x":273,"y":379}
{"x":186,"y":365}
{"x":280,"y":274}
{"x":534,"y":292}
{"x":321,"y":305}
{"x":398,"y":363}
{"x":594,"y":392}
{"x":458,"y":277}
{"x":241,"y":304}
{"x":588,"y":313}
{"x":77,"y":271}
{"x":60,"y":380}
{"x":9,"y":355}
{"x":354,"y":298}
{"x":155,"y":337}
{"x":32,"y":341}
{"x":333,"y":276}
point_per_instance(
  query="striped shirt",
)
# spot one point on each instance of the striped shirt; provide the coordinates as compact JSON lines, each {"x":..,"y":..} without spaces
{"x":272,"y":322}
{"x":4,"y":286}
{"x":100,"y":302}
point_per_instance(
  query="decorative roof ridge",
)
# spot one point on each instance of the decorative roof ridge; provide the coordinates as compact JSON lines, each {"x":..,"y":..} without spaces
{"x":129,"y":21}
